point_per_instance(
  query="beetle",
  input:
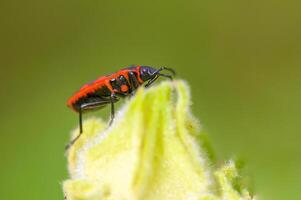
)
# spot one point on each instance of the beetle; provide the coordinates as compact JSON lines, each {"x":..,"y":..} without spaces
{"x":110,"y":88}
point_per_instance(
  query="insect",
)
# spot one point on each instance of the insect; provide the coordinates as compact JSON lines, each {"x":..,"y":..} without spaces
{"x":109,"y":89}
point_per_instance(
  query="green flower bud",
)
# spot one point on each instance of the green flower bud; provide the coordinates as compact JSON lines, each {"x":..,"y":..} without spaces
{"x":152,"y":151}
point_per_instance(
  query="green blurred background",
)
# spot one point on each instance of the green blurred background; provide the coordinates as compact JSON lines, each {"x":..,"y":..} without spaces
{"x":241,"y":58}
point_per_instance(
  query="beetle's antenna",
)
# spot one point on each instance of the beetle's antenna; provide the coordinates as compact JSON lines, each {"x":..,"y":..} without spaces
{"x":156,"y":73}
{"x":168,"y":69}
{"x":165,"y":75}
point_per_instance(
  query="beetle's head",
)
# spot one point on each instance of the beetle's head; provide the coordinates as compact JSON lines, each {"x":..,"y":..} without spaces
{"x":147,"y":73}
{"x":150,"y":74}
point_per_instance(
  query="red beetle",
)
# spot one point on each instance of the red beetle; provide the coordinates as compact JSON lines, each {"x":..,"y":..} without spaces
{"x":108,"y":90}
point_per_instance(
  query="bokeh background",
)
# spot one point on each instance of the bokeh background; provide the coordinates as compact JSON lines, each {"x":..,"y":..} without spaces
{"x":241,"y":58}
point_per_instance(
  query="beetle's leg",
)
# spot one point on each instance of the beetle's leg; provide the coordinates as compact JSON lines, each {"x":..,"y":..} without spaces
{"x":151,"y":81}
{"x":112,"y":113}
{"x":112,"y":98}
{"x":133,"y":82}
{"x":87,"y":106}
{"x":80,"y":121}
{"x":80,"y":131}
